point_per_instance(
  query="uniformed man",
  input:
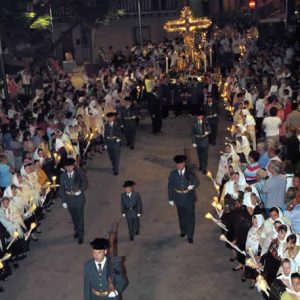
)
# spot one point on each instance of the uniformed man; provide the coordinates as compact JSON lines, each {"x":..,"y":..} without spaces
{"x":131,"y":208}
{"x":73,"y":184}
{"x":103,"y":275}
{"x":211,"y":115}
{"x":200,"y":132}
{"x":181,"y":185}
{"x":129,"y":116}
{"x":112,"y":141}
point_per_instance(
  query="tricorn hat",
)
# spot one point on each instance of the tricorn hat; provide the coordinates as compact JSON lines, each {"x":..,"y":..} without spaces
{"x":110,"y":114}
{"x":179,"y":159}
{"x":128,"y":183}
{"x":70,"y":161}
{"x":100,"y":244}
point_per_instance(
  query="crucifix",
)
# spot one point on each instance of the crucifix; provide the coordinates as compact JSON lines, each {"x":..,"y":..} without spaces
{"x":187,"y":25}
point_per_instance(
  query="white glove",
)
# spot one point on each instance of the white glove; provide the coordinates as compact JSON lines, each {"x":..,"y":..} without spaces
{"x":123,"y":215}
{"x":122,"y":126}
{"x":195,"y":145}
{"x":138,"y":215}
{"x":112,"y":294}
{"x":171,"y":203}
{"x":77,"y":193}
{"x":118,"y":140}
{"x":105,"y":147}
{"x":190,"y":187}
{"x":206,"y":133}
{"x":26,"y":215}
{"x":65,"y":205}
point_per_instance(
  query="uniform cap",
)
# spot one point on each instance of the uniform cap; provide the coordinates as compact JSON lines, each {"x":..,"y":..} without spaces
{"x":110,"y":114}
{"x":100,"y":244}
{"x":70,"y":161}
{"x":179,"y":159}
{"x":128,"y":183}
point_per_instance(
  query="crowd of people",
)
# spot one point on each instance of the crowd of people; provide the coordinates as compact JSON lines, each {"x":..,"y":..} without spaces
{"x":259,"y":171}
{"x":51,"y":127}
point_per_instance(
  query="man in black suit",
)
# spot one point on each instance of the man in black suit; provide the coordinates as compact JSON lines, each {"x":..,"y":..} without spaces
{"x":131,"y":208}
{"x":72,"y":186}
{"x":211,"y":115}
{"x":212,"y":88}
{"x":129,"y":117}
{"x":104,"y":276}
{"x":200,"y":132}
{"x":112,"y":141}
{"x":181,"y":185}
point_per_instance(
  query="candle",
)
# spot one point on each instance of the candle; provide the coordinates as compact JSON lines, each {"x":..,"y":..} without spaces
{"x":210,"y":57}
{"x":205,"y":63}
{"x":167,"y":65}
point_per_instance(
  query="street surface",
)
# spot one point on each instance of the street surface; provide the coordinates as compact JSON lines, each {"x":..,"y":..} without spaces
{"x":160,"y":265}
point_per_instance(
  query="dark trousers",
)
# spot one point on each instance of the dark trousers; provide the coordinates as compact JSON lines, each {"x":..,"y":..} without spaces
{"x":178,"y":108}
{"x":165,"y":111}
{"x":130,"y":133}
{"x":203,"y":157}
{"x":114,"y":156}
{"x":258,"y":127}
{"x":156,"y":123}
{"x":186,"y":216}
{"x":214,"y":131}
{"x":77,"y":215}
{"x":133,"y":226}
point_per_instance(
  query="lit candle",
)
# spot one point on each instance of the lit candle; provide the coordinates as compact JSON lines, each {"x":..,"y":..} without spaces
{"x":210,"y":57}
{"x":167,"y":65}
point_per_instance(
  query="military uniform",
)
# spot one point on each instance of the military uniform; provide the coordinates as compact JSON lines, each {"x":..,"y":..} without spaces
{"x":181,"y":186}
{"x":129,"y":116}
{"x":112,"y":139}
{"x":211,"y":115}
{"x":71,"y":190}
{"x":104,"y":277}
{"x":131,"y":208}
{"x":200,"y":132}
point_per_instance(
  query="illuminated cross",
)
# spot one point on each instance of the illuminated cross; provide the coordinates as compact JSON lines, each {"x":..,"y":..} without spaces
{"x":187,"y":25}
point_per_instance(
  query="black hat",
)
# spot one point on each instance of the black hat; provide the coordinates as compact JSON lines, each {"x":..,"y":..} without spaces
{"x":110,"y":114}
{"x":179,"y":159}
{"x":100,"y":244}
{"x":70,"y":161}
{"x":200,"y":113}
{"x":128,"y":183}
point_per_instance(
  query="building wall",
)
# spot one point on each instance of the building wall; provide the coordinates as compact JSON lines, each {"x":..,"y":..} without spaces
{"x":120,"y":33}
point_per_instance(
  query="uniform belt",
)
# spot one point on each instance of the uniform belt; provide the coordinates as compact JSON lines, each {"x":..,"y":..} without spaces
{"x":70,"y":193}
{"x":181,"y":191}
{"x":100,"y":293}
{"x":129,"y":118}
{"x":200,"y":136}
{"x":112,"y":137}
{"x":131,"y":208}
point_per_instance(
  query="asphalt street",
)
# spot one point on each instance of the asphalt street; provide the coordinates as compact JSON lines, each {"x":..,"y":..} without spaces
{"x":160,"y":265}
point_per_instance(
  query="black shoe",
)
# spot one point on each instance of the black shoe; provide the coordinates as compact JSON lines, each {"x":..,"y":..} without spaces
{"x":200,"y":169}
{"x":243,"y":279}
{"x":131,"y":238}
{"x":182,"y":235}
{"x":116,"y":173}
{"x":204,"y":172}
{"x":80,"y":241}
{"x":16,"y":265}
{"x":237,"y":269}
{"x":132,"y":147}
{"x":75,"y":236}
{"x":1,"y":289}
{"x":137,"y":233}
{"x":190,"y":240}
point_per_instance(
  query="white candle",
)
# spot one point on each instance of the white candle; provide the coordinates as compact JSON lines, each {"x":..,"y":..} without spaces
{"x":210,"y":57}
{"x":167,"y":64}
{"x":204,"y":63}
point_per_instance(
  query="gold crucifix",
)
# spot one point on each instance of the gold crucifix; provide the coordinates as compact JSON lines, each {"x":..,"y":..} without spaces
{"x":187,"y":25}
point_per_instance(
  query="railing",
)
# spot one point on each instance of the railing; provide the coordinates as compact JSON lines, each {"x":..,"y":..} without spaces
{"x":129,"y":6}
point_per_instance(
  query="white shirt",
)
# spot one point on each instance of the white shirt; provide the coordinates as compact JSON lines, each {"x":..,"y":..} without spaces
{"x":102,"y":263}
{"x":271,"y":125}
{"x":70,"y":175}
{"x":181,"y":172}
{"x":260,"y":107}
{"x":129,"y":194}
